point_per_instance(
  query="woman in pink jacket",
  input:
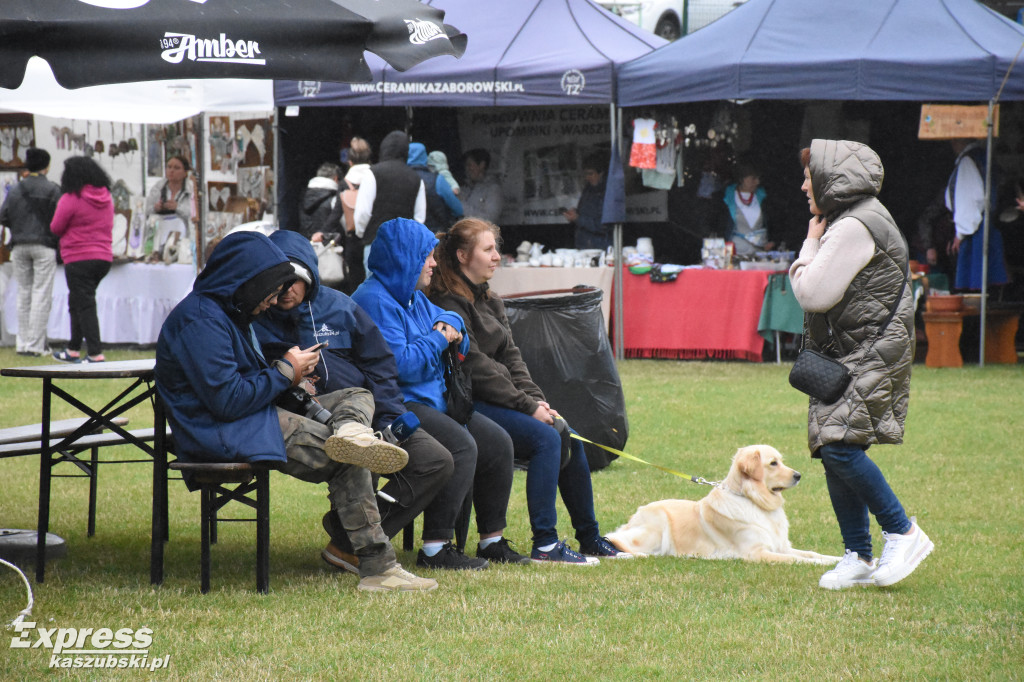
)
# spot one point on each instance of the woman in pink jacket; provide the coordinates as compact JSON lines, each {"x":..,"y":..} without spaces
{"x":84,"y":221}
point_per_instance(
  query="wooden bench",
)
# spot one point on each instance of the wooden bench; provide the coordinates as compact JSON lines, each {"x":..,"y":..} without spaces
{"x":943,"y":330}
{"x":30,"y":444}
{"x":218,"y":484}
{"x":61,"y":428}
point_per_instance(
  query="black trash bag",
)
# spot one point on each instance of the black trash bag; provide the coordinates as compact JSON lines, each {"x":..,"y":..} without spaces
{"x":565,"y":345}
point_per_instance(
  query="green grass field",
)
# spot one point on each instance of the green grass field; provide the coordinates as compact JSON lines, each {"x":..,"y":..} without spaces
{"x":958,"y":617}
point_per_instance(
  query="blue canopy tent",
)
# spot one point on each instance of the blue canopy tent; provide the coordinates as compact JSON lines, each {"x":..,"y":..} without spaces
{"x":536,"y":52}
{"x":832,"y":49}
{"x":895,"y":50}
{"x":522,"y":53}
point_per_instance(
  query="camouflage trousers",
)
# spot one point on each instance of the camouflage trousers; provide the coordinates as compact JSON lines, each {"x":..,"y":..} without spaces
{"x":349,"y":488}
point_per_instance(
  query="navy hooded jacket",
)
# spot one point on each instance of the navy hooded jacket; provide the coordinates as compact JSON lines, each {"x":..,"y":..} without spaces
{"x":356,"y":355}
{"x":404,"y":315}
{"x":218,"y":390}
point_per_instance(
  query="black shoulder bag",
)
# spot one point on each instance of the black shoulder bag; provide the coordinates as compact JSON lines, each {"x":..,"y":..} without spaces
{"x":458,"y":387}
{"x":825,"y":378}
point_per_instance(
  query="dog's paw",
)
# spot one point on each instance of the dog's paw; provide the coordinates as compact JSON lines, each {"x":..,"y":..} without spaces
{"x":824,"y":560}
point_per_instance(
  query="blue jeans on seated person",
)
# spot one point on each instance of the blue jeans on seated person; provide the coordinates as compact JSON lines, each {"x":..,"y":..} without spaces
{"x":856,"y":486}
{"x":541,"y":445}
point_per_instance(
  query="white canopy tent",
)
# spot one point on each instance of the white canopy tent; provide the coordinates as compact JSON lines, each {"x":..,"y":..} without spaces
{"x":143,"y":102}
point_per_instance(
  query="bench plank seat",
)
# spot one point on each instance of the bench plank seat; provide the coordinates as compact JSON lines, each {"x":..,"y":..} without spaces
{"x":60,"y":428}
{"x":95,"y":440}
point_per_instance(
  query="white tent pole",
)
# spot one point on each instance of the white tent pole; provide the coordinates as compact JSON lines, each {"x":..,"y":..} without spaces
{"x":990,"y":122}
{"x":986,"y":216}
{"x":200,"y":170}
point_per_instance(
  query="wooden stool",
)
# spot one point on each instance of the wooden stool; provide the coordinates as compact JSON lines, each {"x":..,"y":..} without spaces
{"x":944,"y":329}
{"x":1000,"y":335}
{"x":251,"y":487}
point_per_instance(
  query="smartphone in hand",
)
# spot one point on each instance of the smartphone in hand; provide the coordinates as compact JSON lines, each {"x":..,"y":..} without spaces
{"x":313,"y":349}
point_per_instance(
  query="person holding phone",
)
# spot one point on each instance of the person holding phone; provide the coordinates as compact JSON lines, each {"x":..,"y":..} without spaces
{"x":433,"y":482}
{"x":851,"y":281}
{"x":222,"y":396}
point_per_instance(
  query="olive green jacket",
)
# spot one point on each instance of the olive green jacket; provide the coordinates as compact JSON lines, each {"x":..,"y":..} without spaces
{"x":846,"y":177}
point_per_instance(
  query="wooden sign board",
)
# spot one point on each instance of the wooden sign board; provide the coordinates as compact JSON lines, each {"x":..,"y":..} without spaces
{"x":952,"y":121}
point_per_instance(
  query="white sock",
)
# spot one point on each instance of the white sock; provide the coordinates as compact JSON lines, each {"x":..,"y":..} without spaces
{"x":487,"y":542}
{"x":432,"y":548}
{"x":548,"y":548}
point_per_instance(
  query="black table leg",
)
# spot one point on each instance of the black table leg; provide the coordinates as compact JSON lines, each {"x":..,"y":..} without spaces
{"x":43,"y":520}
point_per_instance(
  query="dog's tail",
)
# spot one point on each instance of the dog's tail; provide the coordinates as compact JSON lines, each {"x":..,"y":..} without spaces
{"x":646,"y":532}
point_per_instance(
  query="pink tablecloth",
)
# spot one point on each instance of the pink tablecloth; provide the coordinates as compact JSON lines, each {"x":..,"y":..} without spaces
{"x":703,"y":314}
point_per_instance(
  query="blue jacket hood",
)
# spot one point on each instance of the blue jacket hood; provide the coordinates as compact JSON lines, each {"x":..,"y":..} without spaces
{"x":417,"y":154}
{"x":211,"y":375}
{"x":238,"y":257}
{"x":398,"y":254}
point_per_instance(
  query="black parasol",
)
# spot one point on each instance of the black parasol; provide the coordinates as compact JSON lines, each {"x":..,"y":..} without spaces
{"x":94,"y":42}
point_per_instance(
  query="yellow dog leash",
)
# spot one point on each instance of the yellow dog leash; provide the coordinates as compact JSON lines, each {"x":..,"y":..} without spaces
{"x":696,"y":479}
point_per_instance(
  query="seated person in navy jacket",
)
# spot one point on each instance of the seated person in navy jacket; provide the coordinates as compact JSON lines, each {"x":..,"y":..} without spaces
{"x":356,"y":355}
{"x":221,"y":395}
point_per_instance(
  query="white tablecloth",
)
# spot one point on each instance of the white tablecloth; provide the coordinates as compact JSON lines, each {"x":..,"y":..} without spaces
{"x":514,"y":280}
{"x":132,"y":301}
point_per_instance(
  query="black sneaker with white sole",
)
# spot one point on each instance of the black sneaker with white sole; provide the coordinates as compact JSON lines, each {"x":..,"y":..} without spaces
{"x":502,"y":553}
{"x":451,"y":558}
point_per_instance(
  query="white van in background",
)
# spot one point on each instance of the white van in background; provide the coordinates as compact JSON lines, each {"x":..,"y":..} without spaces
{"x":670,"y":19}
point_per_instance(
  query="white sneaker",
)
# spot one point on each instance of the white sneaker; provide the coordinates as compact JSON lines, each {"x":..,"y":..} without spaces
{"x":902,"y":554}
{"x":849,"y":572}
{"x":396,"y":579}
{"x":354,"y":443}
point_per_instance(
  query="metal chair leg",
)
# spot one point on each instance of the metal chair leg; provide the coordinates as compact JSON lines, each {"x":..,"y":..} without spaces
{"x":262,"y":531}
{"x":204,"y":553}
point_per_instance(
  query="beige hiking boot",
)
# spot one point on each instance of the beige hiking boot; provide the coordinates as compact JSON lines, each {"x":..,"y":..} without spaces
{"x":354,"y":443}
{"x":396,"y":579}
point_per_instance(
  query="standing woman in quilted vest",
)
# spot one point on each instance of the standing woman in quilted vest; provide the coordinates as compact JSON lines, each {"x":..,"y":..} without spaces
{"x":850,"y":280}
{"x":84,"y":223}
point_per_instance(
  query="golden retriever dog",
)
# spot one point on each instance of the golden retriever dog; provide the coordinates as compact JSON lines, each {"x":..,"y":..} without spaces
{"x":742,"y":518}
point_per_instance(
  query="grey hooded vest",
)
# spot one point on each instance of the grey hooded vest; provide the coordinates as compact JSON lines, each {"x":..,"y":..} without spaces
{"x":845,"y":177}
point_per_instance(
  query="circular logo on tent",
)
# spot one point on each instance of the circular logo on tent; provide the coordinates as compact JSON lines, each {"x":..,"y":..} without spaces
{"x":573,"y":82}
{"x":309,"y":88}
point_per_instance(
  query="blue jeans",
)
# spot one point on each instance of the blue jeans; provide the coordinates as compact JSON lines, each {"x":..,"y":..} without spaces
{"x":541,"y":445}
{"x":856,"y":486}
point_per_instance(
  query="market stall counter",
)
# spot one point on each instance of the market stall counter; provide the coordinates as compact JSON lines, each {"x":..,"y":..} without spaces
{"x":132,"y":302}
{"x":703,"y":314}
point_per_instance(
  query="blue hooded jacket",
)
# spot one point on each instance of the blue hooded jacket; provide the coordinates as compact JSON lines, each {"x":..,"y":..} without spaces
{"x":218,"y":390}
{"x":357,"y":354}
{"x":442,"y":204}
{"x":404,"y":315}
